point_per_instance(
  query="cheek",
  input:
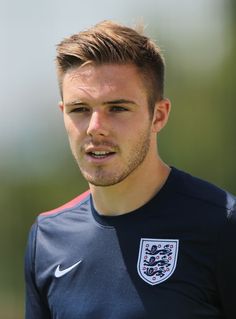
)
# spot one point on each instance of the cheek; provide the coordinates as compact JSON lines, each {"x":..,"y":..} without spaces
{"x":71,"y":127}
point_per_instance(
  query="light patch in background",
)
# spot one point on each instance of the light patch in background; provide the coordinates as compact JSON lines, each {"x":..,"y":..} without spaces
{"x":193,"y":32}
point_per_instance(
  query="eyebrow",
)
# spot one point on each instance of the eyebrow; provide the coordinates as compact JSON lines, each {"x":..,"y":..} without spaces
{"x":75,"y":103}
{"x":113,"y":102}
{"x":121,"y":101}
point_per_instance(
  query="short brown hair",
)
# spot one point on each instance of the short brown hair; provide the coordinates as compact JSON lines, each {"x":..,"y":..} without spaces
{"x":108,"y":42}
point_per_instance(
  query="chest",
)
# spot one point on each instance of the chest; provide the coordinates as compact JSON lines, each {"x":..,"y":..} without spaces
{"x":132,"y":273}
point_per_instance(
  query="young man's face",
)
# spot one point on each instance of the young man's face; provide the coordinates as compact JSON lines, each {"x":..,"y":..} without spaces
{"x":107,"y":120}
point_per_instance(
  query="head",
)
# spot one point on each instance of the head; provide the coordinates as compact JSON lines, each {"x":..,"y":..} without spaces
{"x":111,"y":43}
{"x":111,"y":80}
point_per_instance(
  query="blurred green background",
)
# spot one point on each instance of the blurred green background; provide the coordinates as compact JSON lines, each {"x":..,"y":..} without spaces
{"x":37,"y":172}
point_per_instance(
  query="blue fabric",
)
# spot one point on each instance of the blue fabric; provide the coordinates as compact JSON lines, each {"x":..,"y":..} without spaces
{"x":106,"y":283}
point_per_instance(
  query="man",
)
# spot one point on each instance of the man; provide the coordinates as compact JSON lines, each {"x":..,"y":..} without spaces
{"x":146,"y":240}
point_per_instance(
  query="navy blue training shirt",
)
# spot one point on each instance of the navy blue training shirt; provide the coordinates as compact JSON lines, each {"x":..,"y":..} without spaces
{"x":173,"y":258}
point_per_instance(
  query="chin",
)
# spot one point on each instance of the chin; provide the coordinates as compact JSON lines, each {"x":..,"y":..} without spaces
{"x":103,"y":181}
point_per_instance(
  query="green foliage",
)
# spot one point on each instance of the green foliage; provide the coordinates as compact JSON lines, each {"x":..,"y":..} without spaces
{"x":199,"y":138}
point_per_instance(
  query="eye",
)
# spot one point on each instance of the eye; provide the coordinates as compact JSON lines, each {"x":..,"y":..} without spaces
{"x":79,"y":109}
{"x":117,"y":108}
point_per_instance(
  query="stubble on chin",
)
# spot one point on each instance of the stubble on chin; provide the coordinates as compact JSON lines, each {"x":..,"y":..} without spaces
{"x":102,"y":176}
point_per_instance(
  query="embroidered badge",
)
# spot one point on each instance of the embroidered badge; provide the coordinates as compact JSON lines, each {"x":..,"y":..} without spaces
{"x":157,"y":259}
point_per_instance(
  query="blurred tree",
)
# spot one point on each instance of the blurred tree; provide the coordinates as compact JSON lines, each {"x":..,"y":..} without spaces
{"x":199,"y":138}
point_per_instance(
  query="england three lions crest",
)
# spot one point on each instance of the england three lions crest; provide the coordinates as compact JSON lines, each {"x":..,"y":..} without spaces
{"x":157,"y":259}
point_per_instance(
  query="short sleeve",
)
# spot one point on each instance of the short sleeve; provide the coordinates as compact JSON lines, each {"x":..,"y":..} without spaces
{"x":226,"y":272}
{"x":35,"y":305}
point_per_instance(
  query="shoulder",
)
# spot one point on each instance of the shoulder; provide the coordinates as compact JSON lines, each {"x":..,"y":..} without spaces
{"x":69,"y":207}
{"x":202,"y":201}
{"x":54,"y":224}
{"x":64,"y":219}
{"x":199,"y":190}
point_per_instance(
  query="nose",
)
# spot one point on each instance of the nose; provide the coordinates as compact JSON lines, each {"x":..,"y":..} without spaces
{"x":98,"y":125}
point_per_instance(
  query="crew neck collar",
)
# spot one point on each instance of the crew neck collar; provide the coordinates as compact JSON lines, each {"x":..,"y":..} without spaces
{"x":157,"y":201}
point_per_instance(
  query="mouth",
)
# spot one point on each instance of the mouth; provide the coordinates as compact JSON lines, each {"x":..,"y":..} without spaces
{"x":100,"y":154}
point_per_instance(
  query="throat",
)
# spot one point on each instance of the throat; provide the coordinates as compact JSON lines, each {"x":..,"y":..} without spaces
{"x":123,"y":198}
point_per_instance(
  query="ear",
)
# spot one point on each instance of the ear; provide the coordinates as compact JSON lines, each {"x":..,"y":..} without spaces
{"x":61,"y":105}
{"x":161,"y":115}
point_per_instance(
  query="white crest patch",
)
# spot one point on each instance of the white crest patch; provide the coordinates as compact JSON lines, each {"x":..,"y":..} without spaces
{"x":157,"y":259}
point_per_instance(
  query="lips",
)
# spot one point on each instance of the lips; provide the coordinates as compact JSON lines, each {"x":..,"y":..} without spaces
{"x":100,"y":154}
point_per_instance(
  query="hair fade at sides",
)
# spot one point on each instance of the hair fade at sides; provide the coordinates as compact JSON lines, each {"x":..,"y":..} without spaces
{"x":109,"y":42}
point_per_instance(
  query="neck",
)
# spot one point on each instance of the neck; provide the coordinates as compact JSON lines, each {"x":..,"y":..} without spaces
{"x":133,"y":192}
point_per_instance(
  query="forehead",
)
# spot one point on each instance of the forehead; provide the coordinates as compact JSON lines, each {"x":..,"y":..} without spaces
{"x":103,"y":81}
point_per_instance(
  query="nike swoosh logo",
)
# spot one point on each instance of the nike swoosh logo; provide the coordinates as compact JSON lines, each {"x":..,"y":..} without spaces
{"x":59,"y":273}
